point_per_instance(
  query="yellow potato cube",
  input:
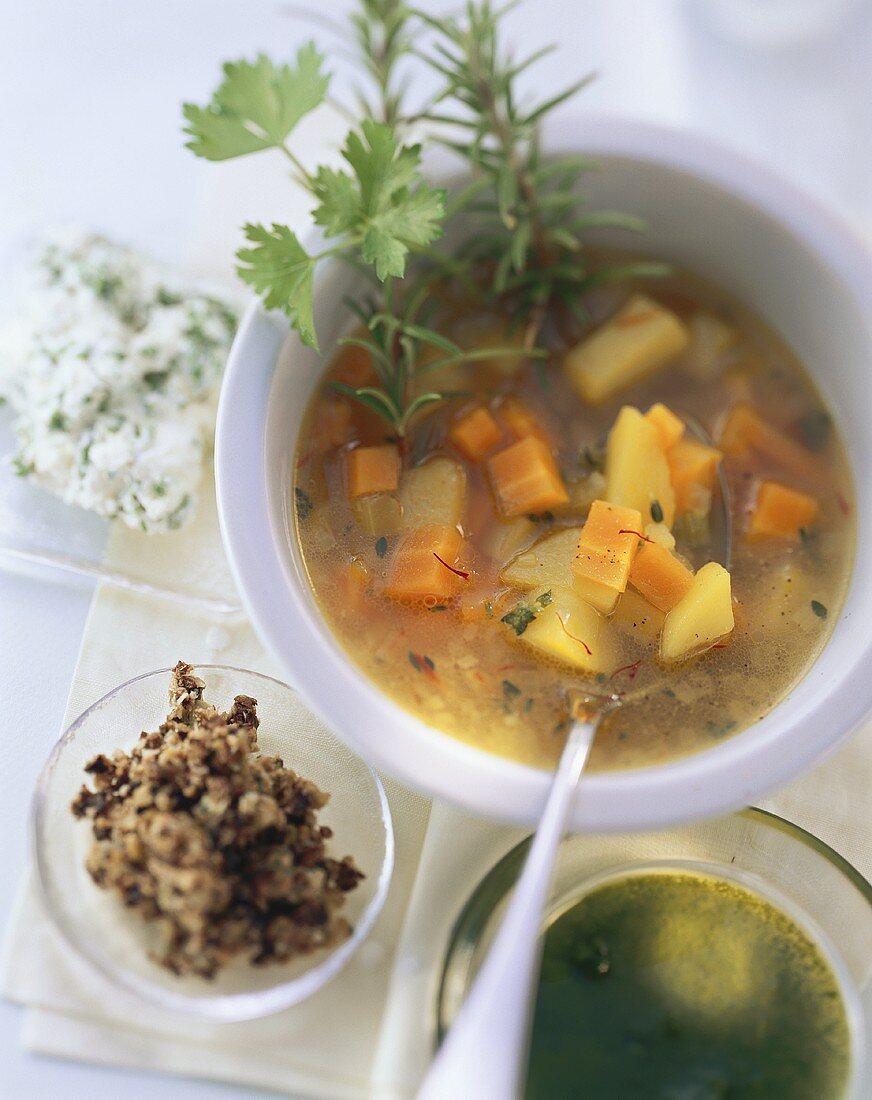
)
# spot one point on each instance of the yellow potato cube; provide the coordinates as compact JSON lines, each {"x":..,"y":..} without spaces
{"x":570,"y":631}
{"x":636,"y":617}
{"x":434,"y":492}
{"x":637,"y":473}
{"x":701,"y":617}
{"x":640,"y":338}
{"x":547,"y":563}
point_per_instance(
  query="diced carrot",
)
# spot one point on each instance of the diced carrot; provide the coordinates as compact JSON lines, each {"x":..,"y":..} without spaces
{"x":745,"y":430}
{"x":659,"y":576}
{"x":780,"y":512}
{"x":520,"y":422}
{"x":669,"y":426}
{"x":525,"y":478}
{"x":332,"y":423}
{"x":354,"y":366}
{"x":416,"y":570}
{"x":372,"y":470}
{"x":608,"y":541}
{"x":475,"y":433}
{"x":692,"y":467}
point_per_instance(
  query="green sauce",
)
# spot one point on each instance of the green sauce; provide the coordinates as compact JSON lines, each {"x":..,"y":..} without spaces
{"x":681,"y":986}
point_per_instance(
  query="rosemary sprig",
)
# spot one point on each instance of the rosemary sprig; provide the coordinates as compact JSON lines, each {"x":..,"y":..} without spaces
{"x":529,"y":220}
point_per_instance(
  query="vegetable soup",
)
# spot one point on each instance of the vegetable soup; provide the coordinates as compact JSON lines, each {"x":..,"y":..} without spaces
{"x":558,"y":523}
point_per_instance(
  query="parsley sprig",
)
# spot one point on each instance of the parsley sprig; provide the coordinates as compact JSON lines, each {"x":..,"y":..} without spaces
{"x":376,"y":207}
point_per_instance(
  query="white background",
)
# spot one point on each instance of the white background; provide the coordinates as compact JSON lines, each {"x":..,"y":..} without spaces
{"x":89,"y":133}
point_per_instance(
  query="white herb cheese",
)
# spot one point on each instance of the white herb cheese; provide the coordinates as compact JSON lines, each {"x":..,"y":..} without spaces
{"x":111,"y":368}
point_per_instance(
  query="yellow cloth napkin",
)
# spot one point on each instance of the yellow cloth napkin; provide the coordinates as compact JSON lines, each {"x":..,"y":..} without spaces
{"x":370,"y":1032}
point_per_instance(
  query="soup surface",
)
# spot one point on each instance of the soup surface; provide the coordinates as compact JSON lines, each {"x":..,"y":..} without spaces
{"x":461,"y":653}
{"x":665,"y":985}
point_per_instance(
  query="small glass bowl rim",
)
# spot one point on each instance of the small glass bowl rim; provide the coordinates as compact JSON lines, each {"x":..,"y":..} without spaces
{"x":492,"y":888}
{"x":231,"y":1007}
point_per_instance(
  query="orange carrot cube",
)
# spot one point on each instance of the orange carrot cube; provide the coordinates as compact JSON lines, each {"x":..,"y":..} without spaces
{"x":475,"y":433}
{"x":520,"y":422}
{"x":525,"y":478}
{"x":416,"y":571}
{"x":659,"y":576}
{"x":372,"y":470}
{"x":745,"y":430}
{"x":606,"y":546}
{"x":780,"y":512}
{"x":669,"y":427}
{"x":692,"y":467}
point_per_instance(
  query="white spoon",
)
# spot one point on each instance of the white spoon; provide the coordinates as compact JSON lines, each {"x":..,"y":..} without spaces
{"x":484,"y":1055}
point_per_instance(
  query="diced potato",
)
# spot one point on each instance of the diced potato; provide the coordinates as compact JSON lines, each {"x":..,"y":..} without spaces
{"x":710,"y":339}
{"x":416,"y":572}
{"x":434,"y":492}
{"x":641,"y":337}
{"x":745,"y":430}
{"x":378,"y":514}
{"x":658,"y":575}
{"x":670,"y":426}
{"x":693,"y":467}
{"x":635,"y":616}
{"x":601,"y":566}
{"x":569,"y":630}
{"x":701,"y":618}
{"x":547,"y":564}
{"x":475,"y":433}
{"x":333,"y":423}
{"x":525,"y":478}
{"x":372,"y":470}
{"x":660,"y":533}
{"x":354,"y":579}
{"x":637,"y":473}
{"x":780,"y":512}
{"x":507,"y":536}
{"x":520,"y":422}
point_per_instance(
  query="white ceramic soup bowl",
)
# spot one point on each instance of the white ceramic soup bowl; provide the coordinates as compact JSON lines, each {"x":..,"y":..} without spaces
{"x":717,"y":214}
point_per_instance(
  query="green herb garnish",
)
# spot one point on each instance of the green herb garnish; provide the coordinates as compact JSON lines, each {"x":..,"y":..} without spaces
{"x":656,"y":511}
{"x":302,"y":503}
{"x":381,"y":546}
{"x":522,"y":614}
{"x":378,"y":212}
{"x":819,"y":609}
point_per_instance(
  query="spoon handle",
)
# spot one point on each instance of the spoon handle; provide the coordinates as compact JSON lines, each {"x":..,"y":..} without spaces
{"x":485,"y":1053}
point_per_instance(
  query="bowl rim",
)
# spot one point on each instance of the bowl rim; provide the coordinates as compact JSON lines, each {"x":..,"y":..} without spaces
{"x":223,"y":1008}
{"x":714,"y":781}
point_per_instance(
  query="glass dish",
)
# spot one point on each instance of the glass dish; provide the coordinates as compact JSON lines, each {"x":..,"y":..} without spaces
{"x":797,"y":872}
{"x":94,"y":923}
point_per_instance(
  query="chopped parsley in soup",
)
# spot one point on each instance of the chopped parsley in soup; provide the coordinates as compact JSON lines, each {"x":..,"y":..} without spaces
{"x":559,"y":523}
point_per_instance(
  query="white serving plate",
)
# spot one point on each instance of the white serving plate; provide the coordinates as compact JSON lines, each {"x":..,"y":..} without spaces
{"x":721,"y":216}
